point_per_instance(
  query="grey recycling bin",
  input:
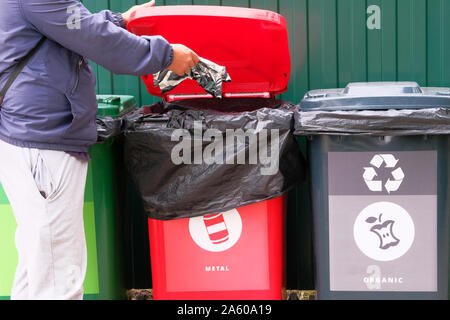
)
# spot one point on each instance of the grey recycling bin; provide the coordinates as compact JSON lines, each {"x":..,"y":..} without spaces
{"x":379,"y":161}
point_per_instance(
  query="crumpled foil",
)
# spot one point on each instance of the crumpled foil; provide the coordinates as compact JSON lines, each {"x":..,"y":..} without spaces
{"x":208,"y":75}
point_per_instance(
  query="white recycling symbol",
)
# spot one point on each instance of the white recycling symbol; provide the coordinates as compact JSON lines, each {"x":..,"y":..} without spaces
{"x":377,"y":185}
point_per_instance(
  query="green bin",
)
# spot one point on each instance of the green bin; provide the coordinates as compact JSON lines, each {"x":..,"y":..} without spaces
{"x":379,"y":168}
{"x":105,"y":276}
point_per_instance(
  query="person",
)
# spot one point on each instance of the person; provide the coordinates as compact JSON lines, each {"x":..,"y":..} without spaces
{"x":48,"y":123}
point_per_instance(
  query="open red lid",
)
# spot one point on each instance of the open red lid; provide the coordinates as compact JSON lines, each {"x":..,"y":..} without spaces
{"x":251,"y":43}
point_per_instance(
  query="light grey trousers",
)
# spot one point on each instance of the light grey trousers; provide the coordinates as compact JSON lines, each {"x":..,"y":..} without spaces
{"x":46,"y":191}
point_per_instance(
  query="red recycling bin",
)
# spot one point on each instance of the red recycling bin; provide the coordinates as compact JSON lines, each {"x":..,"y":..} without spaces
{"x":234,"y":255}
{"x":238,"y":254}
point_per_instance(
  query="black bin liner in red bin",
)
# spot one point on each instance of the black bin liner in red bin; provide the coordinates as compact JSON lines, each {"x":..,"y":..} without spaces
{"x":172,"y":152}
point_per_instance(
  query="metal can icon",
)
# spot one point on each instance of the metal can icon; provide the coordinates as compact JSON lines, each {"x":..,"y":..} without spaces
{"x":216,"y":228}
{"x":216,"y":232}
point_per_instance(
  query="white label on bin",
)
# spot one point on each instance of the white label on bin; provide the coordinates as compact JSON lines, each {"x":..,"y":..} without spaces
{"x":216,"y":232}
{"x":384,"y":231}
{"x":383,"y":238}
{"x":392,"y":183}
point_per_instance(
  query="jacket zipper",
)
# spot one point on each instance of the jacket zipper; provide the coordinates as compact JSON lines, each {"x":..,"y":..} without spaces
{"x":80,"y":63}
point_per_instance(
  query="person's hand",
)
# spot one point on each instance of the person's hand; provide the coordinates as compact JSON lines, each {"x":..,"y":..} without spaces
{"x":126,"y":15}
{"x":183,"y":59}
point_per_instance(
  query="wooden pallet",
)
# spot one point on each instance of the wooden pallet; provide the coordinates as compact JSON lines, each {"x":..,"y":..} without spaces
{"x":147,"y":294}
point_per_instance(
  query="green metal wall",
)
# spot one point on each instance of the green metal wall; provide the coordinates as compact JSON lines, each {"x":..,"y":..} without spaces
{"x":330,"y":46}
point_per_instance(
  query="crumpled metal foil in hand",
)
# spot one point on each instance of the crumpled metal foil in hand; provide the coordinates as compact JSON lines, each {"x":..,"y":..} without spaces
{"x":208,"y":75}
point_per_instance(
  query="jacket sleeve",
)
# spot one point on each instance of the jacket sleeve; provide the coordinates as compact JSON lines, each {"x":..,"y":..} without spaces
{"x":114,"y":17}
{"x":97,"y":37}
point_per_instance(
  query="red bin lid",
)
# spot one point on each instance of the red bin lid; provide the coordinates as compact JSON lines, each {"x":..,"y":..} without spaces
{"x":251,"y":43}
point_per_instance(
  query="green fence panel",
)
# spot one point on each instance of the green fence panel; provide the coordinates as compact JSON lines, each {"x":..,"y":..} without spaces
{"x":382,"y":44}
{"x":438,"y":43}
{"x":206,"y":2}
{"x":299,"y":252}
{"x":331,"y":45}
{"x":351,"y":41}
{"x":412,"y":40}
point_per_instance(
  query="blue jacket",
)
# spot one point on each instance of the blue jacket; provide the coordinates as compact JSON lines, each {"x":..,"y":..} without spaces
{"x":52,"y":104}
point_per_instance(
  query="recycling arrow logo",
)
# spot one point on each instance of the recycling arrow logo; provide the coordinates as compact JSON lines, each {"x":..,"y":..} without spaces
{"x":370,"y":174}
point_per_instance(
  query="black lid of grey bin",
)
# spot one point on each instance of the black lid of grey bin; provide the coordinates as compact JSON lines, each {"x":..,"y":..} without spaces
{"x":376,"y":96}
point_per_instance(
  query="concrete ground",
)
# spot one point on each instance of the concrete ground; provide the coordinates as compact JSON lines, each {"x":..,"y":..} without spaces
{"x":147,"y":294}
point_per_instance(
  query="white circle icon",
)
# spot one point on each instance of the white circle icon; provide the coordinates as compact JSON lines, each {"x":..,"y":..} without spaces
{"x":216,"y":232}
{"x":384,"y":231}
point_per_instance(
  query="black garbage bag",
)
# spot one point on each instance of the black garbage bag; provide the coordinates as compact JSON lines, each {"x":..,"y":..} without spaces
{"x":108,"y":127}
{"x":111,"y":127}
{"x":390,"y":122}
{"x":196,"y":157}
